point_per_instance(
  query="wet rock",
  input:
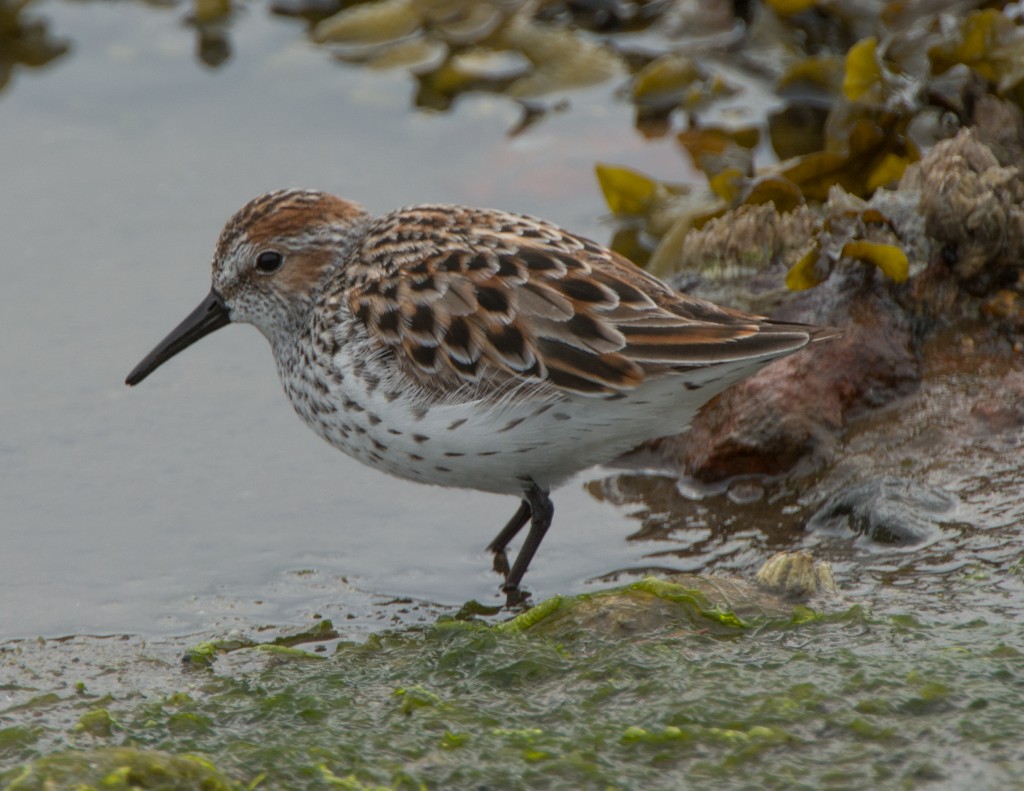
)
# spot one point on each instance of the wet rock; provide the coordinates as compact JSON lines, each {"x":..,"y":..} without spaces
{"x":797,"y":575}
{"x":373,"y":23}
{"x":999,"y":125}
{"x":603,"y":15}
{"x":736,"y":259}
{"x":957,"y":217}
{"x":562,"y":59}
{"x":1007,"y":305}
{"x":702,"y":601}
{"x":887,"y":511}
{"x":493,"y":45}
{"x":793,"y":410}
{"x":313,"y":10}
{"x":1003,"y":408}
{"x":972,"y":207}
{"x":699,"y":602}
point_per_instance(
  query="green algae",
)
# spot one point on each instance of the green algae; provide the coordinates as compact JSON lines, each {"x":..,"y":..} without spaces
{"x":696,"y":600}
{"x":699,"y":697}
{"x":17,"y":738}
{"x":96,"y":722}
{"x":204,"y":654}
{"x":122,"y":768}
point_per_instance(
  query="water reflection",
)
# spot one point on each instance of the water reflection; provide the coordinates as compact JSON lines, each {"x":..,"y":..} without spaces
{"x":451,"y":48}
{"x":25,"y":40}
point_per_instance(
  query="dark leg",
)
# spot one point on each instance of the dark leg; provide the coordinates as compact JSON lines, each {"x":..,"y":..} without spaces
{"x":541,"y":510}
{"x":508,"y":532}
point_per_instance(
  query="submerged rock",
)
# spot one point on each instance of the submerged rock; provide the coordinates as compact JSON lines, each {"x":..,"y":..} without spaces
{"x":887,"y":510}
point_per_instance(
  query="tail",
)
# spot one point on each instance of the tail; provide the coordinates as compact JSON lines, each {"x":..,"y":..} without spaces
{"x":814,"y":332}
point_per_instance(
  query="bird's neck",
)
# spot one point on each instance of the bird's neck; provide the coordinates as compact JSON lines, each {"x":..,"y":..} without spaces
{"x":290,"y":330}
{"x":294,"y":326}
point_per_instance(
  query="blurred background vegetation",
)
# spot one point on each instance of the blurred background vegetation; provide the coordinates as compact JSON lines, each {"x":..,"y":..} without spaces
{"x":774,"y":101}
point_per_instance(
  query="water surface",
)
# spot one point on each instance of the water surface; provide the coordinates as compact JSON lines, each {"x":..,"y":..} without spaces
{"x":173,"y":506}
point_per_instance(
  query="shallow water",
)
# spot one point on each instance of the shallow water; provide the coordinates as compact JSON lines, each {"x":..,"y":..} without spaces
{"x":158,"y":508}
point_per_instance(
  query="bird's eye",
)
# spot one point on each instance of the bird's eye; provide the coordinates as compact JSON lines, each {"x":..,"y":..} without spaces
{"x":268,"y":262}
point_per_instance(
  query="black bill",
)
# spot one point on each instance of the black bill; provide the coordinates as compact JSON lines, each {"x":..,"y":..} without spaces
{"x":212,"y":314}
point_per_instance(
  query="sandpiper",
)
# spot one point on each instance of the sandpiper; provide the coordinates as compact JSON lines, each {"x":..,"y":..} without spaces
{"x":471,"y":348}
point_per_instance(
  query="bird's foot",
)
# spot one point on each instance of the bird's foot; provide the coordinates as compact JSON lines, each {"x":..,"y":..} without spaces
{"x":515,"y":597}
{"x":501,"y":563}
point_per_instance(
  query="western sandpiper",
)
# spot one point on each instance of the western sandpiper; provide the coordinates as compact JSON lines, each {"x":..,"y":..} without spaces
{"x":470,"y":347}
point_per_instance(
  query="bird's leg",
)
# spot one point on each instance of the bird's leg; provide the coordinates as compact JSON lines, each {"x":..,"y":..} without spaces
{"x":508,"y":532}
{"x":541,"y":510}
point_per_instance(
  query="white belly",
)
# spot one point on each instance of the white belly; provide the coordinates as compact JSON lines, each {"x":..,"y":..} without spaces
{"x":501,"y":447}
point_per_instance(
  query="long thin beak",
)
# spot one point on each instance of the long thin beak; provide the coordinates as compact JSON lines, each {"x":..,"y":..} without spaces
{"x":212,"y":314}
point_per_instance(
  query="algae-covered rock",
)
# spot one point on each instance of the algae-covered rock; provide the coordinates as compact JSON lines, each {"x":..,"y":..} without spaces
{"x":946,"y":244}
{"x":703,"y":602}
{"x":121,"y":768}
{"x":96,"y":722}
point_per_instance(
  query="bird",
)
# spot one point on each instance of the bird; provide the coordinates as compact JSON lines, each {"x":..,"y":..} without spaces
{"x":471,"y":348}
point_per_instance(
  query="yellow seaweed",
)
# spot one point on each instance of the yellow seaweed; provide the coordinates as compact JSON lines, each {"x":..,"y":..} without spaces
{"x":370,"y":23}
{"x":561,"y":58}
{"x":803,"y":274}
{"x":887,"y":257}
{"x":863,"y":76}
{"x":625,"y":191}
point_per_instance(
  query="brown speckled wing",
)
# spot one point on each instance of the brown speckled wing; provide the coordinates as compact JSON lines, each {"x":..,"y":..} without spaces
{"x":467,"y":295}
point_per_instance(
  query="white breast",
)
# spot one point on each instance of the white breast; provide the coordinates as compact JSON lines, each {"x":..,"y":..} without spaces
{"x":376,"y":415}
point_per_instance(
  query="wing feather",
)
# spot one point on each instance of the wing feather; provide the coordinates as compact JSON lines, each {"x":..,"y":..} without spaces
{"x":465,"y":295}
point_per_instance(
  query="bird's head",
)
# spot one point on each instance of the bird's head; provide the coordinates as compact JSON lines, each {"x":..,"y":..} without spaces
{"x":271,"y":260}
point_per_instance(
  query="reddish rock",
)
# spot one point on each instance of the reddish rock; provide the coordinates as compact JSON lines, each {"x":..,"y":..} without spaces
{"x":793,"y":410}
{"x":1003,"y":409}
